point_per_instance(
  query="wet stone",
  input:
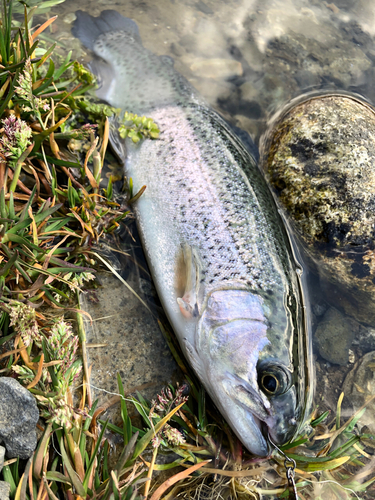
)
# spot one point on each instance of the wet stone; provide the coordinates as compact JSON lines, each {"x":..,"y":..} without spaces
{"x":177,"y":50}
{"x":69,"y":18}
{"x":235,"y":105}
{"x":216,"y":68}
{"x":334,"y":336}
{"x":129,"y":343}
{"x":203,"y":7}
{"x":319,"y":156}
{"x":319,"y":308}
{"x":307,"y":79}
{"x":359,"y":386}
{"x":366,"y":338}
{"x":18,"y":418}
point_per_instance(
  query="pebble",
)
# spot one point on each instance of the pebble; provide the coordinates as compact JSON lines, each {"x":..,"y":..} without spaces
{"x":351,"y":357}
{"x":203,"y":7}
{"x":359,"y":386}
{"x":366,"y":338}
{"x":177,"y":50}
{"x":18,"y":417}
{"x":319,"y":308}
{"x":334,"y":336}
{"x":69,"y":18}
{"x":216,"y":68}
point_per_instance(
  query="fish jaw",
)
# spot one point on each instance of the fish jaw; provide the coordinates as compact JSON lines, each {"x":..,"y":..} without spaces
{"x":246,"y":423}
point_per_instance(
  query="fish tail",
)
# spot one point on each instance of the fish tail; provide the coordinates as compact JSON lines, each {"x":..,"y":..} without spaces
{"x":88,"y":28}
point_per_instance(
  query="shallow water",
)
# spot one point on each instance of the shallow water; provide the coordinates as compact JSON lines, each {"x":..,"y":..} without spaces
{"x":247,"y":58}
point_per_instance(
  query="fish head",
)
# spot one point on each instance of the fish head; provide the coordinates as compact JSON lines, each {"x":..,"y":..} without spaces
{"x":257,"y":395}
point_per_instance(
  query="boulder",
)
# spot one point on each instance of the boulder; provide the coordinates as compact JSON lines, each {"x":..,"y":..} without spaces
{"x":18,"y":417}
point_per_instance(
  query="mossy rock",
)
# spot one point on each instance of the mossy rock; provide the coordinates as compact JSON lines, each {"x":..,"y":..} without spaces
{"x":319,"y":157}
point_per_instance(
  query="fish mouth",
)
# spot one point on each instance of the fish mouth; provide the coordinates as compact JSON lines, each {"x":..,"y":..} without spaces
{"x":275,"y":421}
{"x":257,"y":442}
{"x":248,"y":416}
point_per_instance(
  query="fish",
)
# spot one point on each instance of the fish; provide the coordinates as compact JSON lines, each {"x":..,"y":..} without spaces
{"x":219,"y":255}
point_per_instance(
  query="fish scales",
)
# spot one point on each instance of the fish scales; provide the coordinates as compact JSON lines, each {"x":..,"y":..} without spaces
{"x":216,"y":246}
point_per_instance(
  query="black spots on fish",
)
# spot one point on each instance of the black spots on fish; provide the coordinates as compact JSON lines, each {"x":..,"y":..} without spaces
{"x":235,"y":274}
{"x":360,"y":270}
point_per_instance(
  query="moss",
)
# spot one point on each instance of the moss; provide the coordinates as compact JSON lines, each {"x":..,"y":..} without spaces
{"x":321,"y":164}
{"x":321,"y":168}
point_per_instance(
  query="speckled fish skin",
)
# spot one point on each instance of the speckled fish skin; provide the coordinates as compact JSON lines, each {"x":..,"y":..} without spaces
{"x":216,"y":246}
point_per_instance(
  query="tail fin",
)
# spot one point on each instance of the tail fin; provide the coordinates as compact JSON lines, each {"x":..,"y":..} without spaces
{"x":88,"y":28}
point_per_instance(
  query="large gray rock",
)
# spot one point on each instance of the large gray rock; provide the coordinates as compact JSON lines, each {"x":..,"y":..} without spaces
{"x":4,"y":490}
{"x":18,"y":417}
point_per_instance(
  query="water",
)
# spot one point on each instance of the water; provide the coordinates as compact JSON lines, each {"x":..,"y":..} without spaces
{"x":247,"y":58}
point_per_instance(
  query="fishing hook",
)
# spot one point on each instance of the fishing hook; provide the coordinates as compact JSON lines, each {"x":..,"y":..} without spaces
{"x":290,"y":466}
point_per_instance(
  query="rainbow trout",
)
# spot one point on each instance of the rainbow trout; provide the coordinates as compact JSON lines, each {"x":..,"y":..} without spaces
{"x":217,"y":249}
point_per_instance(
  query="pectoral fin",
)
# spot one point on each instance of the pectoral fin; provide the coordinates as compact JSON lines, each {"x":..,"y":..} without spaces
{"x":189,"y":302}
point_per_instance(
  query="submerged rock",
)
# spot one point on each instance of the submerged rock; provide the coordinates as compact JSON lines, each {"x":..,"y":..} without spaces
{"x":359,"y":386}
{"x":319,"y":157}
{"x":216,"y":68}
{"x":334,"y":336}
{"x":18,"y":417}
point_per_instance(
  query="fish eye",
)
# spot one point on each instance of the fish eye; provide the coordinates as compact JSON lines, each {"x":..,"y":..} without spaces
{"x":270,"y":383}
{"x":273,"y":380}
